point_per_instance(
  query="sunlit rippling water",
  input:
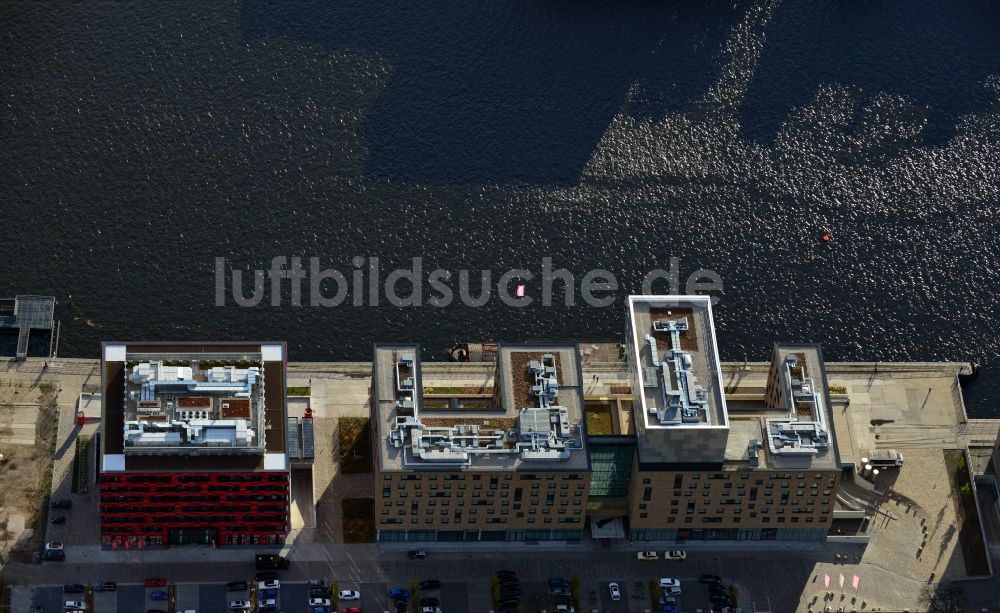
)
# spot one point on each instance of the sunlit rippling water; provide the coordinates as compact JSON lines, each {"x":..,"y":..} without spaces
{"x":142,"y":140}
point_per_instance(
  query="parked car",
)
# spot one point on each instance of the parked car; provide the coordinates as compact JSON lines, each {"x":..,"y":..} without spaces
{"x":564,"y":608}
{"x":268,"y":575}
{"x":72,"y":588}
{"x":430,"y":584}
{"x":268,"y":585}
{"x":668,"y":583}
{"x":430,"y":601}
{"x":58,"y":519}
{"x":158,"y":595}
{"x":54,"y":555}
{"x":106,"y":586}
{"x":676,"y":554}
{"x":155,"y":582}
{"x":352,"y":610}
{"x":267,"y":602}
{"x":75,"y":605}
{"x":349,"y":595}
{"x":316,"y":583}
{"x":615,"y":590}
{"x":558,"y":582}
{"x":562,"y":590}
{"x":430,"y":610}
{"x":396,"y":592}
{"x":54,"y":545}
{"x":239,"y":605}
{"x":647,"y":555}
{"x":237,"y":586}
{"x":61,"y":503}
{"x":319,"y":592}
{"x":271,"y":593}
{"x":416,"y":554}
{"x":710,"y":579}
{"x":319,"y":602}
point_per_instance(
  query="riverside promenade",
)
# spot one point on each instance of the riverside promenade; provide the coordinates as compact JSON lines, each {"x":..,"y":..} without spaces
{"x":916,"y":408}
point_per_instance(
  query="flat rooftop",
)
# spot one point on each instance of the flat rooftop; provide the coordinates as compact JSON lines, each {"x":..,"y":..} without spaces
{"x":171,"y":406}
{"x":797,"y":433}
{"x":534,"y":421}
{"x":677,"y":362}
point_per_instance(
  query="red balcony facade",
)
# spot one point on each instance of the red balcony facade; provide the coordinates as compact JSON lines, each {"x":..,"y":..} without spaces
{"x":211,"y":508}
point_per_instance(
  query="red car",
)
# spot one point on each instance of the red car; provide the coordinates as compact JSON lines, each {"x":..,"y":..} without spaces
{"x":156,"y":582}
{"x":352,"y":610}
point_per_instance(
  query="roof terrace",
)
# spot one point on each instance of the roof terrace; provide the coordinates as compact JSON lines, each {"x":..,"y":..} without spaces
{"x":535,"y":421}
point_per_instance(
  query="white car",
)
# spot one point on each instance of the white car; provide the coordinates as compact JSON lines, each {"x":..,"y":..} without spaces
{"x":267,"y":602}
{"x":562,"y":608}
{"x":74,"y":605}
{"x":615,"y":590}
{"x":430,"y":610}
{"x":671,"y":587}
{"x":268,"y":585}
{"x":647,"y":555}
{"x":319,"y":602}
{"x":239,"y":605}
{"x":675,"y":555}
{"x":349,"y":595}
{"x":53,"y":546}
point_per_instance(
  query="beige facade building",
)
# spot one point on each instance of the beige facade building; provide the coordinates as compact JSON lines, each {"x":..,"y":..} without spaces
{"x":512,"y":467}
{"x":515,"y":462}
{"x":708,"y":470}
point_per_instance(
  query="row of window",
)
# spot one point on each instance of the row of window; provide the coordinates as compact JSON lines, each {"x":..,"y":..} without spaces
{"x":492,"y":520}
{"x":201,"y":519}
{"x":479,"y":477}
{"x":735,"y":520}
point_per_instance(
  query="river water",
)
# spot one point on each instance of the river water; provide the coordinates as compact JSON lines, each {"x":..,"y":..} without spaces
{"x":141,"y":140}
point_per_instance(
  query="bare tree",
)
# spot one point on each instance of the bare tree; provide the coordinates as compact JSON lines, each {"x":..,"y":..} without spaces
{"x":943,"y":598}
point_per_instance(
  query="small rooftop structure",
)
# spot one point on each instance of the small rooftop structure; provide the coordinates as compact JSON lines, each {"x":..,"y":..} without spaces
{"x":24,"y":314}
{"x":792,"y":428}
{"x":535,"y":421}
{"x":680,"y":409}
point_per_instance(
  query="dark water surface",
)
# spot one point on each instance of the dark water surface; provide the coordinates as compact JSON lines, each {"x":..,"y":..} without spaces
{"x":138,"y":141}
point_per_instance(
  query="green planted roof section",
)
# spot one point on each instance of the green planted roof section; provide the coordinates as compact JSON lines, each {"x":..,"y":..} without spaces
{"x":610,"y":469}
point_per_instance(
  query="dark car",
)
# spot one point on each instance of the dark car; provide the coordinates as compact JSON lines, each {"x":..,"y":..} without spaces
{"x":236,"y":586}
{"x":430,"y":601}
{"x":106,"y":586}
{"x":319,"y":592}
{"x":266,"y":576}
{"x":416,"y":554}
{"x":155,"y":582}
{"x":558,"y":582}
{"x":58,"y":519}
{"x":72,"y":588}
{"x":430,"y":584}
{"x":54,"y":555}
{"x":710,"y":579}
{"x":62,"y":503}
